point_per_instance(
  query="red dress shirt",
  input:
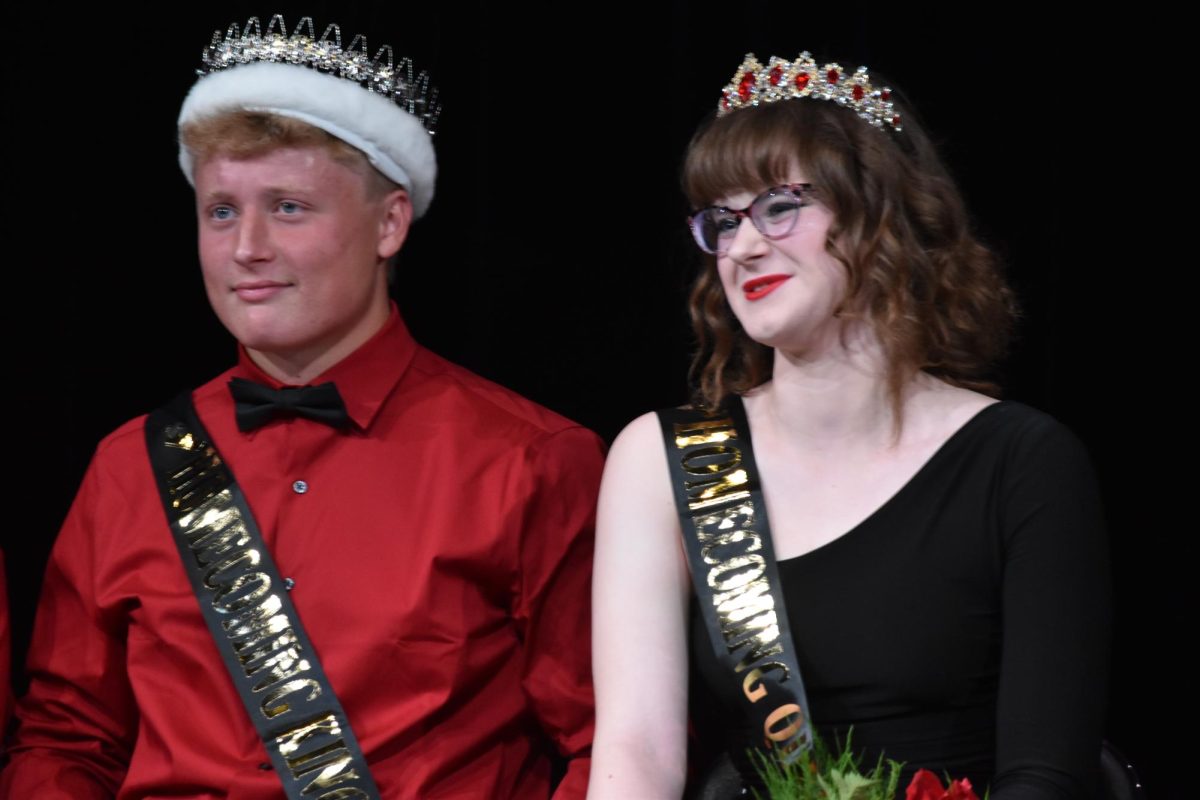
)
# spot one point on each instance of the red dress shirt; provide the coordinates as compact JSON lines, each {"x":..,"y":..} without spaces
{"x":441,"y":553}
{"x":5,"y":678}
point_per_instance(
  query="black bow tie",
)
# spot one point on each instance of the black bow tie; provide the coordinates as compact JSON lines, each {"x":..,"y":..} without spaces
{"x":256,"y":405}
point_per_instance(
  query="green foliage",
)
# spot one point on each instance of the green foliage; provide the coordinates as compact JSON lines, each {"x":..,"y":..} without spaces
{"x":825,"y":775}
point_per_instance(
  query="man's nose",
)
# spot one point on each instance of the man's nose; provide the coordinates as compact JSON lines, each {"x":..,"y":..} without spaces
{"x":253,"y":239}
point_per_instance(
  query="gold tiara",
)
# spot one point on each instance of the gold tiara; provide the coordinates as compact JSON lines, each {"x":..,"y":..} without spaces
{"x":753,"y":84}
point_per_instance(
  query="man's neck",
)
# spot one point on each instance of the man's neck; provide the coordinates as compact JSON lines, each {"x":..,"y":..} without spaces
{"x":302,"y":366}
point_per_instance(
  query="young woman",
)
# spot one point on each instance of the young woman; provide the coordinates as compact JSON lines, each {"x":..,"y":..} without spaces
{"x":939,"y":556}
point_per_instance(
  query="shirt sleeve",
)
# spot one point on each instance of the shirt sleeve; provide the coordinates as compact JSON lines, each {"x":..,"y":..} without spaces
{"x":77,"y":723}
{"x":1056,"y":618}
{"x":5,"y":679}
{"x":553,"y":607}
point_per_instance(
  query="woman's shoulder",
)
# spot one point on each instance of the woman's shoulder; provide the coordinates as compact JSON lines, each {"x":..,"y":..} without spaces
{"x":636,"y":474}
{"x":643,"y":439}
{"x":642,"y":432}
{"x":1020,"y":430}
{"x":1017,"y":450}
{"x":951,"y":412}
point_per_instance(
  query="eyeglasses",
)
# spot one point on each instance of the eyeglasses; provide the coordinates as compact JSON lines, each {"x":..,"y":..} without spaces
{"x":773,"y":213}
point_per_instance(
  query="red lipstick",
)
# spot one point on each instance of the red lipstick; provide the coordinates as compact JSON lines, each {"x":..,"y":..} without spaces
{"x":758,"y":288}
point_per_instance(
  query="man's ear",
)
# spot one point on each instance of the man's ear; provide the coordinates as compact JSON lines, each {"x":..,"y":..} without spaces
{"x":397,"y":216}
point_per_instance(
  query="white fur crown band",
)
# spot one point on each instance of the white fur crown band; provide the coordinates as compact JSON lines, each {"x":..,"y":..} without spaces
{"x":372,"y":104}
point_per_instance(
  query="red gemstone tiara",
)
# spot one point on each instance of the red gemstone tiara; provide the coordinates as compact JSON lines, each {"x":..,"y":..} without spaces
{"x":754,"y":84}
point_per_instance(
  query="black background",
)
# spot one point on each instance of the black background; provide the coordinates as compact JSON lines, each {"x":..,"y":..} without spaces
{"x":554,"y":259}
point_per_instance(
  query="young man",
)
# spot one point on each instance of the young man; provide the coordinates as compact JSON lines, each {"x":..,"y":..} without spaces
{"x":425,"y":632}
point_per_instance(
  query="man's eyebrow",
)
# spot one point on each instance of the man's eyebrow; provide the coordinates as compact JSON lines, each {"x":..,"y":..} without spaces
{"x":214,"y":195}
{"x":266,"y":191}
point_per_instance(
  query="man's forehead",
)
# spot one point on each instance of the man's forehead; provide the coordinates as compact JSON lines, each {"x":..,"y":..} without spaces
{"x":280,"y":169}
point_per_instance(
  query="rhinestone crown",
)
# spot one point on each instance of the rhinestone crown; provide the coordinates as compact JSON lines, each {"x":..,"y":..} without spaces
{"x":394,"y":81}
{"x":754,"y":84}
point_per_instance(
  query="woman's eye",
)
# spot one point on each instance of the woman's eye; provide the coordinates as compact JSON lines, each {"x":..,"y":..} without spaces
{"x":782,"y":208}
{"x":725,"y":223}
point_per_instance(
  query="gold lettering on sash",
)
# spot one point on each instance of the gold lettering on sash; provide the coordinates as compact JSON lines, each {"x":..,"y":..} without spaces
{"x":782,"y":713}
{"x":745,"y":541}
{"x":261,"y":582}
{"x":249,"y":556}
{"x":282,"y":666}
{"x":218,"y":530}
{"x":263,"y":585}
{"x":184,"y":442}
{"x":705,"y":431}
{"x":259,"y":631}
{"x":198,"y":480}
{"x":317,"y":758}
{"x":332,"y":758}
{"x":264,"y":616}
{"x":745,"y":601}
{"x":284,"y":642}
{"x":730,"y":542}
{"x":290,"y":740}
{"x":726,"y":519}
{"x":710,"y":460}
{"x":719,"y":489}
{"x":264,"y":636}
{"x":731,"y":546}
{"x":272,"y":705}
{"x":723,"y":481}
{"x":756,"y":654}
{"x":756,"y":675}
{"x":762,"y":630}
{"x":744,"y":568}
{"x":336,"y":772}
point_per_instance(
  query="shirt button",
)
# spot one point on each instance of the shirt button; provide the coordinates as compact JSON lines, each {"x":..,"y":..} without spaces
{"x":288,"y":583}
{"x":300,"y":487}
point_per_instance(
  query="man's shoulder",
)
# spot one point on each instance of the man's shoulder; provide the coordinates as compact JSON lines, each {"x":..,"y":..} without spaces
{"x":131,"y":436}
{"x":452,"y":389}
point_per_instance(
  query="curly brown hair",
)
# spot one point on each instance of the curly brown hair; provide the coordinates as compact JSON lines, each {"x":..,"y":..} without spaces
{"x":934,"y":295}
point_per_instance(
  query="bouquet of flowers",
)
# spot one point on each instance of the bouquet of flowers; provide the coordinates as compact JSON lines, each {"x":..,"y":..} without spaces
{"x":824,"y":775}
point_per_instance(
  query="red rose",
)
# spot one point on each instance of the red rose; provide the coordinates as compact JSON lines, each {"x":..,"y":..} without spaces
{"x":925,"y":786}
{"x":961,"y":790}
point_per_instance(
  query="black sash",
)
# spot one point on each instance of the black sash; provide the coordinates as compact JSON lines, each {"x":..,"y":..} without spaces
{"x":728,"y":543}
{"x":250,"y":616}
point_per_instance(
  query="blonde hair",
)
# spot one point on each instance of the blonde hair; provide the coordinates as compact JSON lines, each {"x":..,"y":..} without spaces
{"x":239,"y":133}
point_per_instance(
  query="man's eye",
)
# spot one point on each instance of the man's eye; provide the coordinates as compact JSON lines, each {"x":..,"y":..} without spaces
{"x":288,"y":207}
{"x":221,"y":213}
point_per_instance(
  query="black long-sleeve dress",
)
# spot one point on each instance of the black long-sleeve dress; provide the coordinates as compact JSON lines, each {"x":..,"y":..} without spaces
{"x":963,"y":627}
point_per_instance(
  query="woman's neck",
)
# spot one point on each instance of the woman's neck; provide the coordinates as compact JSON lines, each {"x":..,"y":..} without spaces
{"x":838,"y":397}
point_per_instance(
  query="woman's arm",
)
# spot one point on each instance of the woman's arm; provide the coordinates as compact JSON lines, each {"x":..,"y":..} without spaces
{"x":1056,"y":617}
{"x":639,"y":618}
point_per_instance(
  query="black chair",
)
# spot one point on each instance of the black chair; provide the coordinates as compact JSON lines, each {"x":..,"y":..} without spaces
{"x":1118,"y":778}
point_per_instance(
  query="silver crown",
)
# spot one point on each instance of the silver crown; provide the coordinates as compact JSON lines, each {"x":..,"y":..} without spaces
{"x":394,"y":81}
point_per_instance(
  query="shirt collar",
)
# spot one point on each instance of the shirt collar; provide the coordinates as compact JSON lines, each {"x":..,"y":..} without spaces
{"x":364,"y":378}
